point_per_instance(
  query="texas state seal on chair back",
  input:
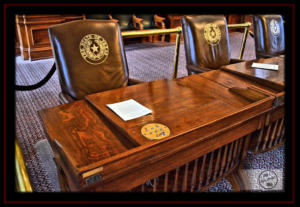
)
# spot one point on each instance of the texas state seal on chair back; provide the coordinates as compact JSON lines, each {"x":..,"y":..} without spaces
{"x":268,"y":35}
{"x":90,"y":57}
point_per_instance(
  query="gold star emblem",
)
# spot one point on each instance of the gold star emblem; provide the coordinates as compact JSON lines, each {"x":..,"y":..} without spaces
{"x":94,"y":48}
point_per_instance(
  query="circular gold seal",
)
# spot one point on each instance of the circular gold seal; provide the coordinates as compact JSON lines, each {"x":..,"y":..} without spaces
{"x":93,"y":49}
{"x":212,"y":34}
{"x":155,"y":131}
{"x":274,"y":27}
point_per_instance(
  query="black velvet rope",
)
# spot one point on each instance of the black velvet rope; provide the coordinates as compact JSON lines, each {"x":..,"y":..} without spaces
{"x":39,"y":84}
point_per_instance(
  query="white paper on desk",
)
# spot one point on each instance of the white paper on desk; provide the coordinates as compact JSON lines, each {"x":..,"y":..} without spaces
{"x":265,"y":66}
{"x":129,"y":109}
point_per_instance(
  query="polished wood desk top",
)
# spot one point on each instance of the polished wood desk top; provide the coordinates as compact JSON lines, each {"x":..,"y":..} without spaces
{"x":182,"y":105}
{"x":234,"y":80}
{"x":260,"y":75}
{"x":89,"y":138}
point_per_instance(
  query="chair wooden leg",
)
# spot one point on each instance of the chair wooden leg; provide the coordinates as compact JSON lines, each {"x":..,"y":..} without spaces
{"x":163,"y":39}
{"x":150,"y":38}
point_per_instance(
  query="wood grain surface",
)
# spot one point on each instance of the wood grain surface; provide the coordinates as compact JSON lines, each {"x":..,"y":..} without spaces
{"x":183,"y":105}
{"x":97,"y":151}
{"x":266,"y":77}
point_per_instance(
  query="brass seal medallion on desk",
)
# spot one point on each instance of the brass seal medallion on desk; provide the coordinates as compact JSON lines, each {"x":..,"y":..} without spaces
{"x":155,"y":131}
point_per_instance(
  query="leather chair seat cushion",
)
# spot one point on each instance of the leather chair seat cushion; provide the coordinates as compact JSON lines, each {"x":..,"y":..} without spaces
{"x":201,"y":52}
{"x":79,"y":77}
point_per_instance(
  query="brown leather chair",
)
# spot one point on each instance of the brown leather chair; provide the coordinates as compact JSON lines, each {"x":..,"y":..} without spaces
{"x":206,"y":42}
{"x":268,"y":31}
{"x":124,"y":20}
{"x":149,"y":21}
{"x":90,"y":57}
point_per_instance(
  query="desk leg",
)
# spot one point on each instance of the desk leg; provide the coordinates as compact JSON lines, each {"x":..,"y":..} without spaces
{"x":62,"y":180}
{"x":238,"y":179}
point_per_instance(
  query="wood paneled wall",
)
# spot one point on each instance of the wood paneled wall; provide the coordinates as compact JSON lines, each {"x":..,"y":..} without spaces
{"x":32,"y":34}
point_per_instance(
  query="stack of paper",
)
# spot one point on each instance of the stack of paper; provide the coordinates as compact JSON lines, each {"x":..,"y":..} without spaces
{"x":265,"y":66}
{"x":129,"y":109}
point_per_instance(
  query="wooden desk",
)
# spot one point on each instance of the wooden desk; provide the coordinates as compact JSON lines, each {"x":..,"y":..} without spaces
{"x":271,"y":78}
{"x":210,"y":128}
{"x":271,"y":131}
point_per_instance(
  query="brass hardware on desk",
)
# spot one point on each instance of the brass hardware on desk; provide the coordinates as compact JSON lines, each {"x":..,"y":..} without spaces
{"x":246,"y":31}
{"x":242,"y":25}
{"x":177,"y":49}
{"x":246,"y":27}
{"x":141,"y":33}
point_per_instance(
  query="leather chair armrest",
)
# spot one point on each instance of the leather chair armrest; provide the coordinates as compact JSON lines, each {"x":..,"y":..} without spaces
{"x":111,"y":18}
{"x":232,"y":61}
{"x":137,"y":22}
{"x":133,"y":82}
{"x":159,"y":22}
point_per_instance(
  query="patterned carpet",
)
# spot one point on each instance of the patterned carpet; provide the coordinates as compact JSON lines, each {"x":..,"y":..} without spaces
{"x":146,"y":62}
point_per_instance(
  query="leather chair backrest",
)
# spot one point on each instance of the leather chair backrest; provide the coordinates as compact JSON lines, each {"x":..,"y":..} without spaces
{"x":89,"y":55}
{"x":268,"y":35}
{"x":206,"y":40}
{"x":124,"y":21}
{"x":97,"y":16}
{"x":148,"y":20}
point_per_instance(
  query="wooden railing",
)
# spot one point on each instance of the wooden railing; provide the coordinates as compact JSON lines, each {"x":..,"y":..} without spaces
{"x":141,"y":33}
